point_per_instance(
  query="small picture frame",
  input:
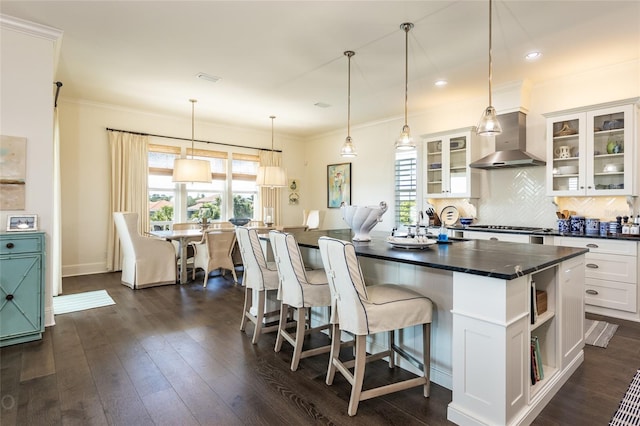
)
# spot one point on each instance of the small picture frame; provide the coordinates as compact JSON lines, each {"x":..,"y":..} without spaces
{"x":22,"y":222}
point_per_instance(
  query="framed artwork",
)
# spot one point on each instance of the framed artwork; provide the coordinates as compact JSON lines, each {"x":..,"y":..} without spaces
{"x":338,"y":185}
{"x":13,"y":154}
{"x":23,"y":222}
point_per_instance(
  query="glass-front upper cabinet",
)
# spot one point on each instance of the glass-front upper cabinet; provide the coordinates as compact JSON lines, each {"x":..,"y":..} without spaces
{"x":592,"y":151}
{"x":446,"y":164}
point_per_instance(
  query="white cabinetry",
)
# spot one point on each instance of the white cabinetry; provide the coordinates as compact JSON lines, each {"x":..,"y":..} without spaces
{"x":496,"y":236}
{"x":491,"y":343}
{"x":611,"y":276}
{"x":591,"y":151}
{"x":446,"y":159}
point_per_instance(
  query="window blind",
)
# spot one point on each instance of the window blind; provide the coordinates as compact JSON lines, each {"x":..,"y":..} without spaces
{"x":405,"y":188}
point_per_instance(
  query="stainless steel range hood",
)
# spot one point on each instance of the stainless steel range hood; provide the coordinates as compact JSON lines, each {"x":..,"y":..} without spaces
{"x":511,"y":146}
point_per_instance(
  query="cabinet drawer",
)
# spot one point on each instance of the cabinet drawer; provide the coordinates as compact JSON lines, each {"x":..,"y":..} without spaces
{"x":611,"y":294}
{"x":597,"y":245}
{"x":10,"y":245}
{"x":496,"y":236}
{"x":611,"y":267}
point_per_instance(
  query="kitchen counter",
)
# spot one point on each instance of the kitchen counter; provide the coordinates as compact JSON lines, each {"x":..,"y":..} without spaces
{"x":481,"y":329}
{"x":478,"y":257}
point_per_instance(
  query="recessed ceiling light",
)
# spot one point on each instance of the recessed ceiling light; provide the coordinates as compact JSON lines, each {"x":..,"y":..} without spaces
{"x":322,"y":105}
{"x":532,"y":56}
{"x":208,"y":77}
{"x":441,"y":83}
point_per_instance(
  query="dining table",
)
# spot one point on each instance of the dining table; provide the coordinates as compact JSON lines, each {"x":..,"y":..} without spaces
{"x":183,"y":237}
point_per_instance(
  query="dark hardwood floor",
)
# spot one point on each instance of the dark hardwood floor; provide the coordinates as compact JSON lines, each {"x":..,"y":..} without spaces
{"x":174,"y":355}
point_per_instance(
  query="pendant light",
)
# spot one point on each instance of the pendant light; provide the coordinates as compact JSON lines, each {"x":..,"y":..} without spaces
{"x":348,"y":150}
{"x":405,"y":141}
{"x":489,"y":124}
{"x":271,"y":176}
{"x":187,"y":170}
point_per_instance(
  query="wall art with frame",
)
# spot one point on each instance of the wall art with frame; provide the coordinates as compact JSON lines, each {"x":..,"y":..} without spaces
{"x":338,"y":185}
{"x":22,"y":222}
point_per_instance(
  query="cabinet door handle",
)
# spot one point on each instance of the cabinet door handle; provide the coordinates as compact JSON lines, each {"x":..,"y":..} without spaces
{"x":9,"y":297}
{"x":593,"y":292}
{"x":10,"y":245}
{"x":493,"y":239}
{"x":591,"y":245}
{"x":592,"y":266}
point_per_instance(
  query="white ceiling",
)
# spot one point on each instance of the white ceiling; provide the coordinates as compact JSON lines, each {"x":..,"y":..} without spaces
{"x":280,"y":58}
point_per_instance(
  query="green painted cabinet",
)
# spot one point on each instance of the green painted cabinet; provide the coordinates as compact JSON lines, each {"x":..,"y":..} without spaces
{"x":21,"y":287}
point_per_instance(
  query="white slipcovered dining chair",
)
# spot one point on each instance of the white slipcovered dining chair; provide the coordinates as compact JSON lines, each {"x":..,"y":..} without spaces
{"x":214,"y":252}
{"x":146,"y":261}
{"x":301,"y":290}
{"x":312,"y":219}
{"x":258,"y":276}
{"x":366,"y":310}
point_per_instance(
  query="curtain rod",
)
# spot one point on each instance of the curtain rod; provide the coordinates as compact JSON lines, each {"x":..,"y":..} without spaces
{"x":58,"y":86}
{"x":187,"y":139}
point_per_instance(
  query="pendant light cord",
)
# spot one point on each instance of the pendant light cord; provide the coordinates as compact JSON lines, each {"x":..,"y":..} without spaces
{"x":490,"y":55}
{"x":193,"y":104}
{"x":349,"y":54}
{"x":272,"y":117}
{"x":406,"y":70}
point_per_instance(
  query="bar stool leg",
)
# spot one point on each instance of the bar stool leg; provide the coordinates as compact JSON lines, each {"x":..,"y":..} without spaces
{"x":247,"y":306}
{"x":392,"y":354}
{"x":426,"y":350}
{"x":300,"y":329}
{"x":284,"y":314}
{"x":335,"y":352}
{"x":358,"y":374}
{"x":259,"y":316}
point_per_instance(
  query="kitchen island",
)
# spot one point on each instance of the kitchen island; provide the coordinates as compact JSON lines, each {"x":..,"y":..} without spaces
{"x":482,"y":325}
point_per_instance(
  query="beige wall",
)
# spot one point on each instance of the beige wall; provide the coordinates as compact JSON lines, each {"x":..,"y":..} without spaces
{"x":26,"y":99}
{"x":85,"y":169}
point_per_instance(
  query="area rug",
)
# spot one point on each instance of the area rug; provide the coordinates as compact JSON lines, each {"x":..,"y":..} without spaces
{"x":81,"y":301}
{"x":598,"y":333}
{"x":628,"y":413}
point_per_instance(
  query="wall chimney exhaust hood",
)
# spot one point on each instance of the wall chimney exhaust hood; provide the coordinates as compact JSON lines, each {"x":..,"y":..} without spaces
{"x":510,"y":146}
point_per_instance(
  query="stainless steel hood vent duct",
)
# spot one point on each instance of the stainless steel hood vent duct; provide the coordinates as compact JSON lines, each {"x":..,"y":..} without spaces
{"x":510,"y":145}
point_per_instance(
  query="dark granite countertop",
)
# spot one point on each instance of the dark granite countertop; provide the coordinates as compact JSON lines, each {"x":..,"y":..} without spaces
{"x":479,"y":257}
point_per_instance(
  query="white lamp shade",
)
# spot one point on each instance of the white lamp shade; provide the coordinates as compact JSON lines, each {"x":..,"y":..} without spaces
{"x":190,"y":170}
{"x":271,"y":176}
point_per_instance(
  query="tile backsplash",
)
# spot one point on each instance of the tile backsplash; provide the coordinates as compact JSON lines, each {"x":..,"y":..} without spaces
{"x":518,"y":197}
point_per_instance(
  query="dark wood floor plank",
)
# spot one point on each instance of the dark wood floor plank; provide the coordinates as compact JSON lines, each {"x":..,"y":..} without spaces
{"x":37,"y":359}
{"x":175,"y":355}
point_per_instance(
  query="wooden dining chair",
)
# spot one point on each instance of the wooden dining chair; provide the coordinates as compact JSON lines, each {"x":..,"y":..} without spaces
{"x":215,"y":252}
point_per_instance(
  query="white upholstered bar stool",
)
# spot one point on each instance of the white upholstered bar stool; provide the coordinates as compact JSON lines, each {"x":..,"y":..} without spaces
{"x":258,"y":276}
{"x":365,"y":310}
{"x":301,"y":290}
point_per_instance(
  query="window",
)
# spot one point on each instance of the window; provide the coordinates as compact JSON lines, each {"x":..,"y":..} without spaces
{"x":244,"y":169}
{"x":162,"y":190}
{"x":406,"y":187}
{"x":231,"y":193}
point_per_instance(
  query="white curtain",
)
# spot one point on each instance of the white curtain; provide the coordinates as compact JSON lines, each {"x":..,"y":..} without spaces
{"x":129,"y":190}
{"x":270,"y":196}
{"x":56,"y":236}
